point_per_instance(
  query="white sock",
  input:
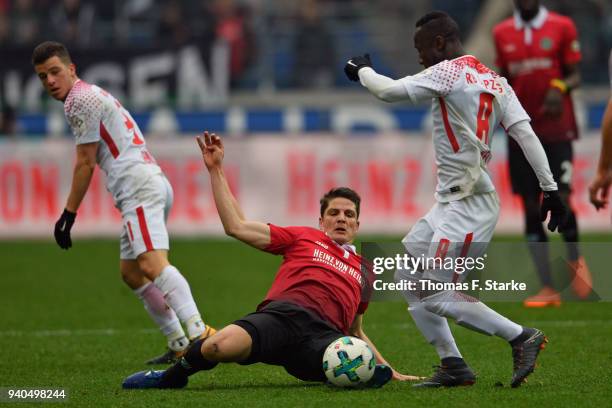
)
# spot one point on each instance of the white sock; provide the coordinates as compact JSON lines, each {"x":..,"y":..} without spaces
{"x":177,"y":341}
{"x":177,"y":293}
{"x":473,"y":314}
{"x":435,"y":330}
{"x":162,"y":315}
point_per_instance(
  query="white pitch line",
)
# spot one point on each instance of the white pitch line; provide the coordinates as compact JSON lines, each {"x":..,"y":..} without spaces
{"x":532,"y":323}
{"x":116,"y":332}
{"x":73,"y":332}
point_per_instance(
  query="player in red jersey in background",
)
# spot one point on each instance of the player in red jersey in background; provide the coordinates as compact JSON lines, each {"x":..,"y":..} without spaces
{"x":107,"y":135}
{"x":538,"y":52}
{"x":316,"y":297}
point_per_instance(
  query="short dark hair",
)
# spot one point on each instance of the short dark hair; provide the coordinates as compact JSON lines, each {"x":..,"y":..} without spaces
{"x":48,"y":49}
{"x":440,"y":23}
{"x":343,"y":192}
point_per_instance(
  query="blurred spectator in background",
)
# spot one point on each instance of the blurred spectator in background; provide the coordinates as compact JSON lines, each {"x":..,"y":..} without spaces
{"x":172,"y":31}
{"x":313,"y":49}
{"x":136,"y":22}
{"x":232,"y":23}
{"x":464,"y":12}
{"x":8,"y":122}
{"x":72,"y":22}
{"x":202,"y":22}
{"x":5,"y":28}
{"x":24,"y":22}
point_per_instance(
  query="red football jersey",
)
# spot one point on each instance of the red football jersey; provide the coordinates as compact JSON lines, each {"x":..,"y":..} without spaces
{"x":317,"y":274}
{"x":531,"y":57}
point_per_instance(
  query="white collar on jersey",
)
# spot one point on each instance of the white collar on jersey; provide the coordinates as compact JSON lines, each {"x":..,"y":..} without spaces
{"x":534,"y":24}
{"x":347,"y":248}
{"x":350,"y":247}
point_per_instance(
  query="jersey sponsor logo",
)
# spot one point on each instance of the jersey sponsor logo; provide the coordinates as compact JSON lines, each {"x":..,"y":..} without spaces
{"x":322,"y":244}
{"x":546,"y":43}
{"x":529,"y":65}
{"x":330,"y":260}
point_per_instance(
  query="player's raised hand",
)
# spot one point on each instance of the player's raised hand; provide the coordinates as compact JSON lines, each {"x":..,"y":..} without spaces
{"x":599,"y":189}
{"x":558,"y":211}
{"x":212,"y":150}
{"x":352,"y":67}
{"x":62,"y":229}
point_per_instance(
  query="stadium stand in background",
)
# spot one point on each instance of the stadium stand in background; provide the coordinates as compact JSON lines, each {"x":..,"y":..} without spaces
{"x":278,"y":55}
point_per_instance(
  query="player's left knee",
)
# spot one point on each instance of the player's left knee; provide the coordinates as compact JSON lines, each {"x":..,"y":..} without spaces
{"x":226,"y":347}
{"x":220,"y":350}
{"x":152,"y":264}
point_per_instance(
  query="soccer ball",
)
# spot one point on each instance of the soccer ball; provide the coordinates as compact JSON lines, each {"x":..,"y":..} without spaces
{"x":348,"y":362}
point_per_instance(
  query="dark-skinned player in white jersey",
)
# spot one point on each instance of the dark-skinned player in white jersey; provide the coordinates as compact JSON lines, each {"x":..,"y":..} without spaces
{"x":468,"y":102}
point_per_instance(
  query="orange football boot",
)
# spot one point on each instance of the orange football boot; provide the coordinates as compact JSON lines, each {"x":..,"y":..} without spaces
{"x":547,"y":296}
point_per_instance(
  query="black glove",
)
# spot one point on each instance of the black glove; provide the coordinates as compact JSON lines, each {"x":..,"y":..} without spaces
{"x":353,"y":66}
{"x":558,"y":211}
{"x":62,"y":229}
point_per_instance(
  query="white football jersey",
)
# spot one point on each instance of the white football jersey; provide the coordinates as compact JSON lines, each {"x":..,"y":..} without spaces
{"x":469,"y":101}
{"x":94,"y":115}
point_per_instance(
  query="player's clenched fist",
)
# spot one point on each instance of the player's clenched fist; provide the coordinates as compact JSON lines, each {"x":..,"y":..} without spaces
{"x":353,"y":66}
{"x":62,"y":229}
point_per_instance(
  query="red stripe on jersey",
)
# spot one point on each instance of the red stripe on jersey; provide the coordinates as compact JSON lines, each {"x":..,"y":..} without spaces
{"x":130,"y":231}
{"x":109,"y":141}
{"x":442,"y":248}
{"x":449,"y":130}
{"x":144,"y":231}
{"x":464,"y":251}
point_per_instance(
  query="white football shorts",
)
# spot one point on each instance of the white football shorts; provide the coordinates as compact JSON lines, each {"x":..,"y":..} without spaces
{"x":457,"y":229}
{"x":144,"y":218}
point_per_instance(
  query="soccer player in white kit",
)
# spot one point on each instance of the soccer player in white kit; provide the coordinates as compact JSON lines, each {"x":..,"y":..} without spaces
{"x":468,"y":102}
{"x":107,"y":134}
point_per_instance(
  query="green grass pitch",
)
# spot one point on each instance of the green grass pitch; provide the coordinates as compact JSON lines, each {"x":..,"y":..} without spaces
{"x":68,"y":321}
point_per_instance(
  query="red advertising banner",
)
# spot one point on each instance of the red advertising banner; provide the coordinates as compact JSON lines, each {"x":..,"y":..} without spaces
{"x":277,"y":179}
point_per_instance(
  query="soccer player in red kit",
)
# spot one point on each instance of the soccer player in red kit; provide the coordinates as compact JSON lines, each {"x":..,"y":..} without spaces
{"x":538,"y":52}
{"x":316,"y":297}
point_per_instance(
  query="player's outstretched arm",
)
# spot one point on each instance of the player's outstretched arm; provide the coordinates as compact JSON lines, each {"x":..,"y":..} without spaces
{"x":254,"y":233}
{"x":357,"y":331}
{"x":600,"y":186}
{"x":384,"y":88}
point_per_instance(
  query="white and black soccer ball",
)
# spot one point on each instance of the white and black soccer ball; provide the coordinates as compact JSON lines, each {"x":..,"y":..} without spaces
{"x":348,"y":362}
